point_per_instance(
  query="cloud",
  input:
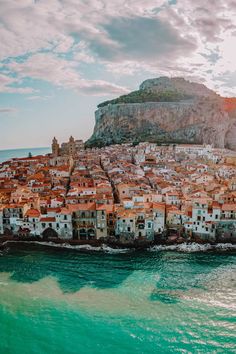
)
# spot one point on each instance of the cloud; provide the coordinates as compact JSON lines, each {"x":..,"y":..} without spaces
{"x":228,"y":78}
{"x":61,"y":73}
{"x":7,"y":85}
{"x":50,"y":40}
{"x":7,"y":110}
{"x":82,"y":53}
{"x":38,"y":97}
{"x":141,"y":38}
{"x":47,"y":67}
{"x":100,"y":87}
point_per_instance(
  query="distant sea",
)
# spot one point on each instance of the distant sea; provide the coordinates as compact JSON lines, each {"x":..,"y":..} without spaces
{"x":9,"y":154}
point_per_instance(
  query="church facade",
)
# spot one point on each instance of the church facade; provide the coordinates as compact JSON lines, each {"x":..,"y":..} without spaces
{"x":70,"y":148}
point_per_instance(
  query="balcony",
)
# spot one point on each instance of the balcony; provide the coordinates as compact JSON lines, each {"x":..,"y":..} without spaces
{"x":86,"y":226}
{"x":140,"y":221}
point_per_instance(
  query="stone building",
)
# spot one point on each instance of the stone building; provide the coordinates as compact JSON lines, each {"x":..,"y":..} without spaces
{"x":55,"y":148}
{"x":70,"y":148}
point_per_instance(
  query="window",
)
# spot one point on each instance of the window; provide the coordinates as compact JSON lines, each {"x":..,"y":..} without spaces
{"x":57,"y":226}
{"x":50,"y":224}
{"x":128,"y":228}
{"x":65,"y":217}
{"x":43,"y":225}
{"x":65,"y":226}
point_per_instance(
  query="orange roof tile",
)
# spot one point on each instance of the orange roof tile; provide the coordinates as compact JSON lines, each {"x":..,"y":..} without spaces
{"x":32,"y":213}
{"x":48,"y":219}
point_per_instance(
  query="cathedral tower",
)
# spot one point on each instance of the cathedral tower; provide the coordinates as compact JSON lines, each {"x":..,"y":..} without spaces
{"x":55,"y":148}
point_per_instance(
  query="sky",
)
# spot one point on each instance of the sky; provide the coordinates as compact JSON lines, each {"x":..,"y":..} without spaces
{"x":60,"y":58}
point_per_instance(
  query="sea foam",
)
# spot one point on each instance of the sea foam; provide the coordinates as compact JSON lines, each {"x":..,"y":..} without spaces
{"x":86,"y":247}
{"x":194,"y":247}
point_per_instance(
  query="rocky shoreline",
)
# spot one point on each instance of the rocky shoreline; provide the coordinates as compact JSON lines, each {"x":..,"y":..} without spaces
{"x":116,"y":246}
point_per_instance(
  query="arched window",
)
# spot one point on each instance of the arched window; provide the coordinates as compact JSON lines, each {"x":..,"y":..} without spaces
{"x":91,"y":234}
{"x":83,"y":234}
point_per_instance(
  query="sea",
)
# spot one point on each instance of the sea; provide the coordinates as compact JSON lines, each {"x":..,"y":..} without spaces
{"x":160,"y":301}
{"x":9,"y":154}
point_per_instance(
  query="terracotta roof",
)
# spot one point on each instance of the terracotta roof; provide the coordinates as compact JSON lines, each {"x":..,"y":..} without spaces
{"x":82,"y":207}
{"x":159,"y":206}
{"x":216,"y":205}
{"x":229,"y":207}
{"x":65,"y":211}
{"x":32,"y":213}
{"x":54,"y":210}
{"x":109,"y":208}
{"x":48,"y":219}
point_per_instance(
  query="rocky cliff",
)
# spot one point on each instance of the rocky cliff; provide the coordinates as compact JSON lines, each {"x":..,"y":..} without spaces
{"x":166,"y":110}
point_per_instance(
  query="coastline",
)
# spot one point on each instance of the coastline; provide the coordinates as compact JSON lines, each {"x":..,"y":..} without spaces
{"x":8,"y":154}
{"x":117,"y":247}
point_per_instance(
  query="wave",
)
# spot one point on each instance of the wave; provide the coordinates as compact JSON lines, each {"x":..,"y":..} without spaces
{"x":194,"y":247}
{"x":102,"y":248}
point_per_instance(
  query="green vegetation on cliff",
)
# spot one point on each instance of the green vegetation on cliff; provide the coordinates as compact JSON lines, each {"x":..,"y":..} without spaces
{"x":141,"y":96}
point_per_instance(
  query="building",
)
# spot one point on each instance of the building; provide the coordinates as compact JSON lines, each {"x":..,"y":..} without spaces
{"x":70,"y":148}
{"x":140,"y":192}
{"x":1,"y":222}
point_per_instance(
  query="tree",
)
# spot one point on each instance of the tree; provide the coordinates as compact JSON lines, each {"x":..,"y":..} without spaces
{"x":30,"y":154}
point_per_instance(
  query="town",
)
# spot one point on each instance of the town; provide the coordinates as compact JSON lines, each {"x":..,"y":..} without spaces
{"x":128,"y":192}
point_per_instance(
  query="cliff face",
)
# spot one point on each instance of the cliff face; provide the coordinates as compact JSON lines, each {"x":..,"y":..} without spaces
{"x":182,"y":112}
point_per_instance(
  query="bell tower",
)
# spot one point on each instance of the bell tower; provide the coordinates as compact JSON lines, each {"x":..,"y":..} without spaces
{"x":71,"y":146}
{"x":55,"y":148}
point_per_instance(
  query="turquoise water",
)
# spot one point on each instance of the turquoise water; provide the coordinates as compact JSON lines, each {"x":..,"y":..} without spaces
{"x":9,"y":154}
{"x":59,"y":301}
